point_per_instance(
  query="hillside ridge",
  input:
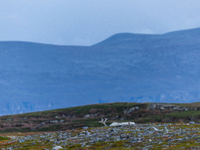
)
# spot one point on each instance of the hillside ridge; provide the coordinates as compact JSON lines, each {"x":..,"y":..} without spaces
{"x":119,"y":38}
{"x":90,"y":115}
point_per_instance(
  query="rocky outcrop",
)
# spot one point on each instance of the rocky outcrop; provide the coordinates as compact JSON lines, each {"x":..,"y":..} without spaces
{"x":130,"y":110}
{"x":138,"y":136}
{"x":160,"y":106}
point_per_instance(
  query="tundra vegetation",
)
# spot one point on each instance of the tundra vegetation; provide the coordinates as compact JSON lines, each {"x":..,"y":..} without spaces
{"x":157,"y":126}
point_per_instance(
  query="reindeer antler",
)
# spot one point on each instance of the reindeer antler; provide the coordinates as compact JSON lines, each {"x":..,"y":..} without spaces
{"x":103,"y":121}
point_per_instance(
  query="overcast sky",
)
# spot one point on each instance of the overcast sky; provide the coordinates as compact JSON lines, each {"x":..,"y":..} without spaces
{"x":86,"y":22}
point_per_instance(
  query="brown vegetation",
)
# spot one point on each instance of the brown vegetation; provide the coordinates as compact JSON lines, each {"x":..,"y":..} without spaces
{"x":90,"y":115}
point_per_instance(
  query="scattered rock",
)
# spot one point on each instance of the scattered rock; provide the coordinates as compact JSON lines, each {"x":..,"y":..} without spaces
{"x":130,"y":110}
{"x":191,"y":122}
{"x":87,"y":116}
{"x":133,"y":136}
{"x":85,"y":128}
{"x":152,"y":106}
{"x":61,"y":121}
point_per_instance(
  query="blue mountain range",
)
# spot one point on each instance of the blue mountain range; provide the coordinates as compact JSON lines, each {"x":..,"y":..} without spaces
{"x":123,"y":68}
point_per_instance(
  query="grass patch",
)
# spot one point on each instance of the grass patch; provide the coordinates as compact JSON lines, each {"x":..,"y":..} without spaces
{"x":2,"y":138}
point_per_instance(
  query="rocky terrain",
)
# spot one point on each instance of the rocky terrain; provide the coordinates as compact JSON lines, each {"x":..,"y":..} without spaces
{"x":157,"y":126}
{"x":138,"y":136}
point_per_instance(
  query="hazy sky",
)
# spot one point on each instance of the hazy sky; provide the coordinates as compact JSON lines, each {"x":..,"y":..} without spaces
{"x":86,"y":22}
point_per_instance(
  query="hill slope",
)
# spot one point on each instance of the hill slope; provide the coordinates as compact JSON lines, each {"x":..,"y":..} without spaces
{"x":125,"y":67}
{"x":90,"y":115}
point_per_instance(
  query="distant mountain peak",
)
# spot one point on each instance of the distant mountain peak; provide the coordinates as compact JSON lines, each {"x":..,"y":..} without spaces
{"x":132,"y":39}
{"x":123,"y":38}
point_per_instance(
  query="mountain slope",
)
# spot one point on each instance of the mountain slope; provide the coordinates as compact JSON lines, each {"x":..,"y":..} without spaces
{"x":124,"y":67}
{"x":90,"y":115}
